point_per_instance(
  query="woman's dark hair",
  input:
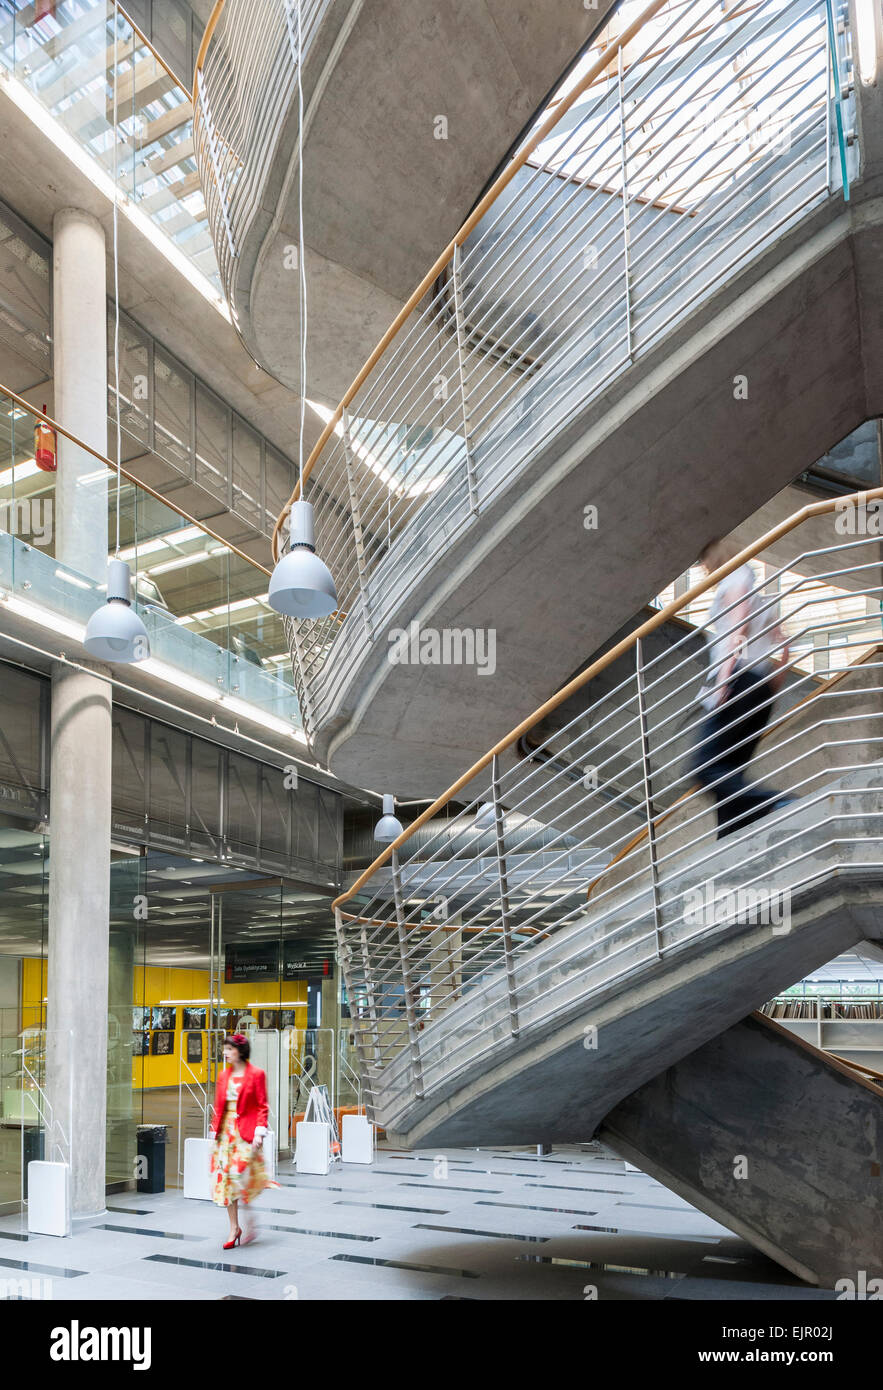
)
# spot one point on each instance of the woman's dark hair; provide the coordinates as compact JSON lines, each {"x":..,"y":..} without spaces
{"x":241,"y":1043}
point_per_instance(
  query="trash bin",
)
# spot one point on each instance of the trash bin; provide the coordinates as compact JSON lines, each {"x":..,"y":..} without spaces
{"x":152,"y":1158}
{"x":34,"y":1146}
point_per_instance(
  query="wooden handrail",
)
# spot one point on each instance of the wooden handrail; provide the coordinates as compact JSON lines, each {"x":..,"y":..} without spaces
{"x":158,"y":56}
{"x":206,"y":40}
{"x":500,"y":183}
{"x":823,"y":508}
{"x":857,"y":1066}
{"x":131,"y":478}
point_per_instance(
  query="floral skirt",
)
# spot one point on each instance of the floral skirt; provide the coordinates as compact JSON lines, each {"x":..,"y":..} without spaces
{"x":239,"y":1173}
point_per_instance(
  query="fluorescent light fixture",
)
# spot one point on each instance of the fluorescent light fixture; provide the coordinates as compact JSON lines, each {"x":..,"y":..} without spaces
{"x":73,"y":579}
{"x":132,"y":552}
{"x":26,"y":469}
{"x":54,"y":622}
{"x":100,"y":475}
{"x":170,"y":1002}
{"x":269,"y":721}
{"x":182,"y":561}
{"x":283,"y":1004}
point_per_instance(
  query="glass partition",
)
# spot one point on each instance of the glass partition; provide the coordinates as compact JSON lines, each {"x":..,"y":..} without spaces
{"x":65,"y":55}
{"x":204,"y":604}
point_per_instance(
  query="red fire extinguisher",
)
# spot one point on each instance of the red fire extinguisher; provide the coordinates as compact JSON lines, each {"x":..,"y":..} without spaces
{"x":44,"y":446}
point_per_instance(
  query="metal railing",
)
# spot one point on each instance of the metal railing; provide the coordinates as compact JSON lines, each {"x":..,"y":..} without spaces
{"x":466,"y":944}
{"x":244,"y":88}
{"x":695,"y":137}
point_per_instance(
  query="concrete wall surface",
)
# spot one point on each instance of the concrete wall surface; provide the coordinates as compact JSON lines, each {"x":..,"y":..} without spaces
{"x":774,"y":1139}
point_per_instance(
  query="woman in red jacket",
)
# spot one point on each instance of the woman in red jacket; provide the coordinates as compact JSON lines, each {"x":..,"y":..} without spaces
{"x":239,"y":1124}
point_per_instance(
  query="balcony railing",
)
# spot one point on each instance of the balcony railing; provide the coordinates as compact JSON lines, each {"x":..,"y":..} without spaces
{"x":203,"y":600}
{"x":467,"y":941}
{"x":65,"y":56}
{"x":688,"y":142}
{"x":244,"y":93}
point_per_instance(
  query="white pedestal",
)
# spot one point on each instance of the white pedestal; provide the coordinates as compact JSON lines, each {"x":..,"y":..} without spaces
{"x":357,"y":1139}
{"x":197,"y":1168}
{"x":312,"y":1140}
{"x":49,"y":1198}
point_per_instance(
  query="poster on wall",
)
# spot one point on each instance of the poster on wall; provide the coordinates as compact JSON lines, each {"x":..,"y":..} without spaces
{"x":163,"y":1017}
{"x":140,"y":1044}
{"x":194,"y":1018}
{"x":162,"y":1044}
{"x":194,"y":1047}
{"x":140,"y":1018}
{"x":266,"y":1018}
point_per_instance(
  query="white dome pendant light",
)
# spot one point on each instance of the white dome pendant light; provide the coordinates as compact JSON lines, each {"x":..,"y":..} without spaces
{"x":389,"y":827}
{"x":301,"y":585}
{"x":115,"y":632}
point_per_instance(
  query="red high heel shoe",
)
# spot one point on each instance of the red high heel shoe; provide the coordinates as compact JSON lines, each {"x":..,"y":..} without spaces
{"x":228,"y":1245}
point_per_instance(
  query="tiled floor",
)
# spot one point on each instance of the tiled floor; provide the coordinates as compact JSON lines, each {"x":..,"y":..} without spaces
{"x":476,"y":1224}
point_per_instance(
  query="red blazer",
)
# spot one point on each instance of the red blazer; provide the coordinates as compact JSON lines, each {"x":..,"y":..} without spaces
{"x":251,"y":1106}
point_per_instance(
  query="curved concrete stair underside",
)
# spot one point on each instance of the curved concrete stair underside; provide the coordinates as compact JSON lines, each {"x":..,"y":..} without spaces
{"x":773,"y":1138}
{"x":824,"y":856}
{"x":384,"y":194}
{"x":669,"y":457}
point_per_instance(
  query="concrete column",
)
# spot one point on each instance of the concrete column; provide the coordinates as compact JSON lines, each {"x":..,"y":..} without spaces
{"x":79,"y":912}
{"x":80,"y":769}
{"x":79,"y":330}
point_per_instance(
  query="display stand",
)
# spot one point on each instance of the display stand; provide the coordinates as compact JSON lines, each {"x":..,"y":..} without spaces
{"x":49,"y":1199}
{"x":357,"y":1143}
{"x":197,"y":1169}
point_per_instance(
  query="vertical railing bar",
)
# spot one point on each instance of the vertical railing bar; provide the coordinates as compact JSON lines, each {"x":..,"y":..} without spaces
{"x":356,"y":514}
{"x":407,"y":982}
{"x":215,"y":163}
{"x":625,"y":206}
{"x":504,"y":898}
{"x":467,"y":426}
{"x":648,"y":795}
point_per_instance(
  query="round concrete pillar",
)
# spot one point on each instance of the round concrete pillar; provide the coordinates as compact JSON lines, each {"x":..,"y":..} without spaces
{"x":80,"y":770}
{"x":79,"y":913}
{"x":79,"y":328}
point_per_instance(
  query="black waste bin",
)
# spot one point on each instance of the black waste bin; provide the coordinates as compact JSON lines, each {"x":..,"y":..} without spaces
{"x":34,"y":1146}
{"x":151,"y":1158}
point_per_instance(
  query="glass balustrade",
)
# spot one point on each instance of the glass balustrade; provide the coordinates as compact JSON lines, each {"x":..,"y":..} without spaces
{"x":204,"y":605}
{"x":65,"y":56}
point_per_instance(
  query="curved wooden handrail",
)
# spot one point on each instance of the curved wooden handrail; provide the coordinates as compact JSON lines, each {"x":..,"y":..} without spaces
{"x":823,"y":508}
{"x":206,"y":40}
{"x":130,"y":477}
{"x":500,"y":183}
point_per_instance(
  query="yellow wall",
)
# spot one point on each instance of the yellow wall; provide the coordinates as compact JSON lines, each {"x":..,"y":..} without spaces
{"x":154,"y":983}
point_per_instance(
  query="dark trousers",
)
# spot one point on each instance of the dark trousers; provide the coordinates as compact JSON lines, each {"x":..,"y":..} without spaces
{"x":727,"y":739}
